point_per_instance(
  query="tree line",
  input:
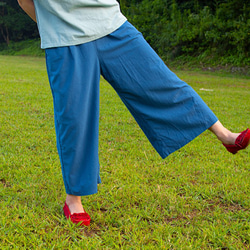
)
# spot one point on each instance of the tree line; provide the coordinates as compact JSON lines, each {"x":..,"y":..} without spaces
{"x":15,"y":25}
{"x":172,"y":27}
{"x":195,"y":28}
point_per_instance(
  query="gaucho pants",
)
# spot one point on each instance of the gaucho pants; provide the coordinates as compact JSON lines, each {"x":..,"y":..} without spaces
{"x":169,"y":111}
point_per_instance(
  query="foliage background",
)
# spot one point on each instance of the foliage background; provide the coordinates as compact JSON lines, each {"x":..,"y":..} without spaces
{"x":174,"y":28}
{"x":216,"y":31}
{"x":15,"y":25}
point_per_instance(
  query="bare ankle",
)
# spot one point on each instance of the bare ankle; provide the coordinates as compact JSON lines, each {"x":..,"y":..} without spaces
{"x":72,"y":199}
{"x":74,"y":203}
{"x":223,"y":134}
{"x":225,"y":137}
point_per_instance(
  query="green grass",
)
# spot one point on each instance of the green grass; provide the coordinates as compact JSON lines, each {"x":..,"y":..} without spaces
{"x":197,"y":198}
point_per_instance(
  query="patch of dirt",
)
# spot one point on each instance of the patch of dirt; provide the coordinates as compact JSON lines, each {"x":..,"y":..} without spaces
{"x":212,"y":205}
{"x":5,"y":183}
{"x":232,"y":69}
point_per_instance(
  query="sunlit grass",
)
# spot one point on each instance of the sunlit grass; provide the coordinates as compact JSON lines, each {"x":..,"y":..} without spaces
{"x":197,"y":198}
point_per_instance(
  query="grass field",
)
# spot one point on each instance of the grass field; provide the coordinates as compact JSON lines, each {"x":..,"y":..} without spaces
{"x":197,"y":198}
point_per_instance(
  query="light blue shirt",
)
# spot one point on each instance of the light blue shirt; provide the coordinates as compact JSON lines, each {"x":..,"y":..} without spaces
{"x":72,"y":22}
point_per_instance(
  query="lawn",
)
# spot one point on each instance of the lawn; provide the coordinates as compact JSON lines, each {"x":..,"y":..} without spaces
{"x":197,"y":198}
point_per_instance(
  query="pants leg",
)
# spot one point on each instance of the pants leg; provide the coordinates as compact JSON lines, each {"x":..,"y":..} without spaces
{"x":169,"y":111}
{"x":74,"y":75}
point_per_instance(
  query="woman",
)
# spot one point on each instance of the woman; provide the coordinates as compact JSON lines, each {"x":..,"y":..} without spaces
{"x":84,"y":39}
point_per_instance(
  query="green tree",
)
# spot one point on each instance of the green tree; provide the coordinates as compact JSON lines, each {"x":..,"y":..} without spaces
{"x":15,"y":25}
{"x":4,"y":29}
{"x":196,"y":27}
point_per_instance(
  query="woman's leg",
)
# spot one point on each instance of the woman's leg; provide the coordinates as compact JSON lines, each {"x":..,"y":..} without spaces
{"x":168,"y":110}
{"x":223,"y":134}
{"x":74,"y":203}
{"x":233,"y":142}
{"x":74,"y":75}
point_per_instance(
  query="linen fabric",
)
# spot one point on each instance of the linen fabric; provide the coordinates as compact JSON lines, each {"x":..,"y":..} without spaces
{"x":169,"y":111}
{"x":72,"y":22}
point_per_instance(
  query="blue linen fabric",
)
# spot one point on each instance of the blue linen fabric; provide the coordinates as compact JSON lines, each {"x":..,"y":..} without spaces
{"x":168,"y":110}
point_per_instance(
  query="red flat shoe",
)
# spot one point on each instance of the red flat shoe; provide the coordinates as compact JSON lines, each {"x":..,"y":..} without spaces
{"x":241,"y":142}
{"x":82,"y":218}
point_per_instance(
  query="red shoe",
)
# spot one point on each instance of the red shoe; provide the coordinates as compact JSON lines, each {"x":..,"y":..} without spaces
{"x":241,"y":142}
{"x":81,"y":218}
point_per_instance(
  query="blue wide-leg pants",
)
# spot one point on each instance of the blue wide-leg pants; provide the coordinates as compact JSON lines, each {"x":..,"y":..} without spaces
{"x":169,"y":111}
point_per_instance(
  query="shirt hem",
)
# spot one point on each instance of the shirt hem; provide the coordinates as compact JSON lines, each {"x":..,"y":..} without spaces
{"x":83,"y":39}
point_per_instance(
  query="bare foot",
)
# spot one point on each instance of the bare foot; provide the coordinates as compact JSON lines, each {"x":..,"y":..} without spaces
{"x":229,"y":139}
{"x":74,"y":203}
{"x":223,"y":134}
